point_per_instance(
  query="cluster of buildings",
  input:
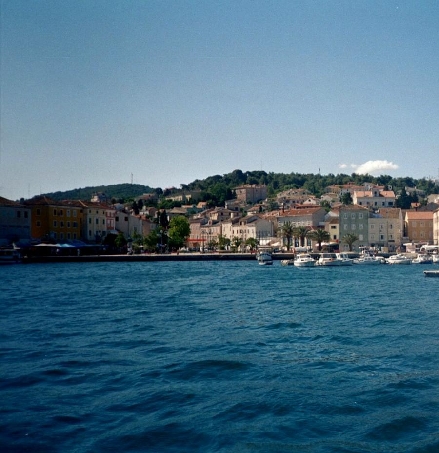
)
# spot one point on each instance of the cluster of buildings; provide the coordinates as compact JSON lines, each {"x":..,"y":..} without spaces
{"x":373,"y":217}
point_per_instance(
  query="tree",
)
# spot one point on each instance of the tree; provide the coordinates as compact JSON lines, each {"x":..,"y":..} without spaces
{"x":150,"y":242}
{"x":301,"y":232}
{"x":251,"y":243}
{"x":179,"y":231}
{"x":223,"y":242}
{"x":236,"y":243}
{"x":287,"y":231}
{"x":320,"y":235}
{"x":346,"y":198}
{"x":349,"y":239}
{"x":120,"y":241}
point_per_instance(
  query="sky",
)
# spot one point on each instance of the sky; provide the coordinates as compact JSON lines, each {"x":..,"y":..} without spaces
{"x":161,"y":93}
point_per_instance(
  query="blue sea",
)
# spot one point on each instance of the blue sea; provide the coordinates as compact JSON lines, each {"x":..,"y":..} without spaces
{"x":218,"y":356}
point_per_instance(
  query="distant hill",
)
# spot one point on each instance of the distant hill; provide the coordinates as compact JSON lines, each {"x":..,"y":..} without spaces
{"x":117,"y":191}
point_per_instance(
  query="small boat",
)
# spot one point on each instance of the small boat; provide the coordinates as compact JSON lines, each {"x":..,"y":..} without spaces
{"x":265,"y":258}
{"x":431,"y":273}
{"x":304,"y":260}
{"x":435,"y":258}
{"x":345,"y":259}
{"x":399,"y":259}
{"x":329,"y":259}
{"x":423,"y":258}
{"x":9,"y":255}
{"x":368,"y":259}
{"x":287,"y":262}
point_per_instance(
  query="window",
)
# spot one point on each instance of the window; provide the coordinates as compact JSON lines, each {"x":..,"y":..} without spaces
{"x":68,"y":212}
{"x":352,"y":216}
{"x":74,"y":213}
{"x":353,"y":226}
{"x":55,"y":224}
{"x":345,"y":226}
{"x":38,"y":211}
{"x":89,"y":233}
{"x":61,"y":224}
{"x":68,"y":224}
{"x":103,"y":221}
{"x":345,"y":215}
{"x":61,"y":236}
{"x":360,"y":227}
{"x":60,"y":212}
{"x":74,"y":235}
{"x":382,"y":237}
{"x":372,"y":226}
{"x":38,"y":223}
{"x":68,"y":235}
{"x":89,"y":220}
{"x":54,"y":212}
{"x":75,"y":224}
{"x":97,"y":221}
{"x":360,"y":215}
{"x":25,"y":214}
{"x":372,"y":237}
{"x":18,"y":214}
{"x":360,"y":237}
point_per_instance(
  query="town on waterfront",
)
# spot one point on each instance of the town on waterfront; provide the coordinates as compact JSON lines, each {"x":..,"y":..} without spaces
{"x":346,"y":217}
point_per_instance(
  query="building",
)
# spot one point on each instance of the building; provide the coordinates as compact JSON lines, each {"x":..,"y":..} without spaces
{"x":15,"y":222}
{"x":251,"y":226}
{"x":374,"y":198}
{"x":418,"y":226}
{"x":53,"y":220}
{"x":386,"y":228}
{"x":354,"y":219}
{"x":251,"y":193}
{"x":436,"y":227}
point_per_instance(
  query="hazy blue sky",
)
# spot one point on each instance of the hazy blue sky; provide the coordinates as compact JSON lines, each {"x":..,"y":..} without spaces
{"x":93,"y":91}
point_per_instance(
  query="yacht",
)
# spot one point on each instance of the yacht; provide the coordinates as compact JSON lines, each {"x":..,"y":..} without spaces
{"x":265,"y":258}
{"x":423,"y":258}
{"x":399,"y":259}
{"x":329,"y":259}
{"x":304,"y":260}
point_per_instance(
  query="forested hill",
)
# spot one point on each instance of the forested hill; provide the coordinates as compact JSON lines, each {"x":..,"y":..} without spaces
{"x":116,"y":191}
{"x":218,"y":188}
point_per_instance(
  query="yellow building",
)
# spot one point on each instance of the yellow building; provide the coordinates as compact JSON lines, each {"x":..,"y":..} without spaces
{"x":54,"y":220}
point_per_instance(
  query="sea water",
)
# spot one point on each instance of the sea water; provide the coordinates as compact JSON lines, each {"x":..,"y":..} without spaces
{"x":217,"y":356}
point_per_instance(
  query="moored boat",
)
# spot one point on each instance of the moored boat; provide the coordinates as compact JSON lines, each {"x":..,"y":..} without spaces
{"x":265,"y":258}
{"x":329,"y":259}
{"x":9,"y":255}
{"x":304,"y":260}
{"x":423,"y":258}
{"x":345,"y":259}
{"x":399,"y":259}
{"x":368,"y":259}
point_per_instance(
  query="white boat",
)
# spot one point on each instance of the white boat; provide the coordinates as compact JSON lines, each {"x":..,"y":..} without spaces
{"x":304,"y":260}
{"x":431,"y":273}
{"x":265,"y":258}
{"x":435,"y":258}
{"x":329,"y":259}
{"x":9,"y":255}
{"x":368,"y":259}
{"x":287,"y":262}
{"x":345,"y":259}
{"x":423,"y":258}
{"x":399,"y":259}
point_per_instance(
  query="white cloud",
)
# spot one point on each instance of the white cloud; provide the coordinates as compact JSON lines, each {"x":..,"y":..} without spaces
{"x":342,"y":166}
{"x":375,"y":166}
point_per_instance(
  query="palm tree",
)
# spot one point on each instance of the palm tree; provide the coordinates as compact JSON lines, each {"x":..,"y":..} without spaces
{"x":287,"y":231}
{"x":349,"y":239}
{"x":301,"y":232}
{"x":320,"y":235}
